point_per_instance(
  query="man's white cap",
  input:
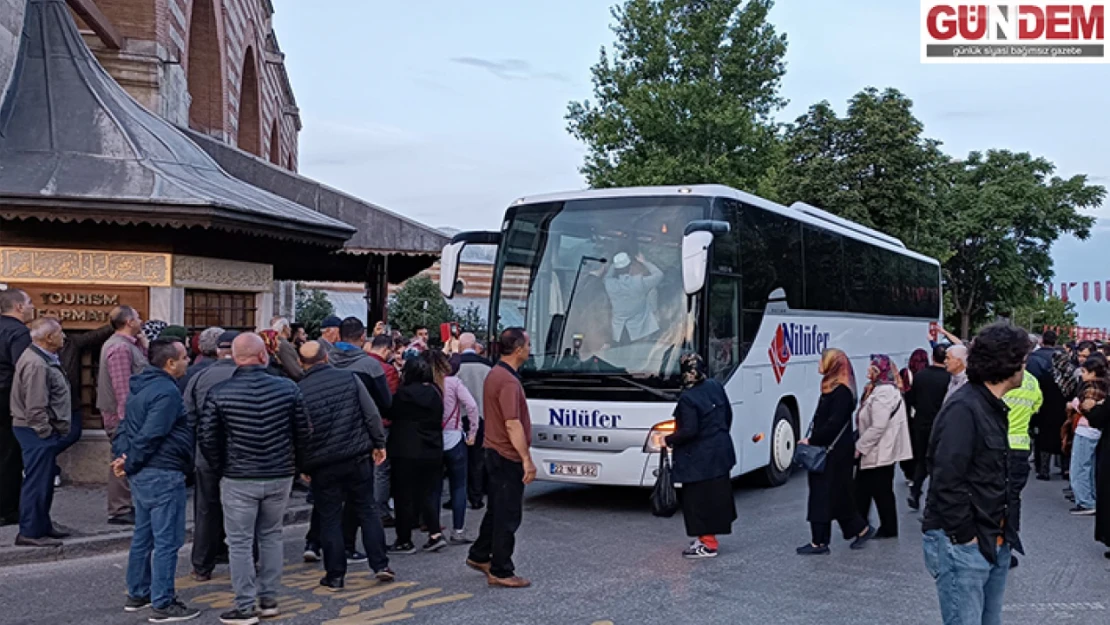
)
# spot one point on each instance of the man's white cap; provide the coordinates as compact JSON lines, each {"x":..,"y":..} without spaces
{"x":620,"y":261}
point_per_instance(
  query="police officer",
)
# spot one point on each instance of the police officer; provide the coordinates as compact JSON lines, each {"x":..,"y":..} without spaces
{"x":1024,"y":401}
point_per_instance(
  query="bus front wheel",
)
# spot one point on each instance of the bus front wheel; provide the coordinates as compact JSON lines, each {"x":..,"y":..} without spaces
{"x":784,"y":437}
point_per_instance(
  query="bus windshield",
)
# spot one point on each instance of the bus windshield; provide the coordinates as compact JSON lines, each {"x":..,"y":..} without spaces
{"x":597,"y":283}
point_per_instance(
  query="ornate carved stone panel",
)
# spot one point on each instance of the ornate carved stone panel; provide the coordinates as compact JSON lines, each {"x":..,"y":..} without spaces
{"x":211,"y":273}
{"x":24,"y":264}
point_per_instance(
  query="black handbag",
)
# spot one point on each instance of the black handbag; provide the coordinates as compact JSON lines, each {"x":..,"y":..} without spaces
{"x":664,"y":498}
{"x":812,"y":458}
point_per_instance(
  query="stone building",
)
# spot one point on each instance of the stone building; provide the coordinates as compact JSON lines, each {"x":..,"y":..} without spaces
{"x":107,"y":198}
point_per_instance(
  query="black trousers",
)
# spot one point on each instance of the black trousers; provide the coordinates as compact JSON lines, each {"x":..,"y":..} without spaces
{"x":497,"y":537}
{"x":920,"y":470}
{"x":350,"y":525}
{"x":11,"y":461}
{"x":413,"y":484}
{"x":342,"y":487}
{"x":476,"y":467}
{"x":1019,"y":477}
{"x":1044,"y":464}
{"x":878,"y":485}
{"x":208,"y":521}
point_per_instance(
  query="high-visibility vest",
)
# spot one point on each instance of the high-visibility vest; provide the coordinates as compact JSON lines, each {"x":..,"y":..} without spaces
{"x":1023,"y":401}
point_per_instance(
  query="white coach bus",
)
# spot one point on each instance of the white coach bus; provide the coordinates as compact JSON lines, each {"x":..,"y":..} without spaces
{"x":614,"y":285}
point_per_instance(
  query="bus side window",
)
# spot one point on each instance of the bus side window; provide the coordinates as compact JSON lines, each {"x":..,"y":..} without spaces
{"x":724,"y":326}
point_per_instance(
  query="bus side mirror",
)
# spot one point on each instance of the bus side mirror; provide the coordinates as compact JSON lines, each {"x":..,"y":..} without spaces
{"x":449,"y":268}
{"x":452,"y":252}
{"x":695,"y":252}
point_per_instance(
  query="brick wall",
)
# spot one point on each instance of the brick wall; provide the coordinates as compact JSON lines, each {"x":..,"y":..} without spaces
{"x":187,"y":60}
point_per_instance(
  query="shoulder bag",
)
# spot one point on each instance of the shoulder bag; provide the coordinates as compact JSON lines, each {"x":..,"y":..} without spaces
{"x":812,"y":458}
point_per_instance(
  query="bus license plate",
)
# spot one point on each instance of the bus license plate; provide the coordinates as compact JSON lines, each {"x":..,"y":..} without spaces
{"x":575,"y":469}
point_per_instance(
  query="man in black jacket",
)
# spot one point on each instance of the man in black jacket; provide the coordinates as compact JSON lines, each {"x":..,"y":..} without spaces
{"x":154,"y":447}
{"x":16,"y":310}
{"x":346,"y":432}
{"x":1050,"y":418}
{"x":925,"y":398}
{"x":249,"y":433}
{"x":967,"y":539}
{"x":208,"y":514}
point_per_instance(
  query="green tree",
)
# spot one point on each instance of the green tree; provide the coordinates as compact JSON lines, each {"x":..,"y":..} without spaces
{"x":1041,"y":312}
{"x":686,"y":97}
{"x":419,"y":302}
{"x":873,"y":166}
{"x":1002,"y":212}
{"x":471,"y":320}
{"x":312,"y":307}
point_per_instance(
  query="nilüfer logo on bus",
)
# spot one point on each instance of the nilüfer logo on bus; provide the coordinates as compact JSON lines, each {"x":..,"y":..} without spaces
{"x":794,"y":339}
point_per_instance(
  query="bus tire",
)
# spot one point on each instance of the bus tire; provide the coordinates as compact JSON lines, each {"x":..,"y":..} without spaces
{"x":784,"y":438}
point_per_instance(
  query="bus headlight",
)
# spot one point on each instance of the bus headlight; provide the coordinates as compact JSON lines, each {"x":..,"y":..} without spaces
{"x":655,"y":438}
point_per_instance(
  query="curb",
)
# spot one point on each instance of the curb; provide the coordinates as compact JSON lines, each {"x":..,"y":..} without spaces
{"x":113,"y":542}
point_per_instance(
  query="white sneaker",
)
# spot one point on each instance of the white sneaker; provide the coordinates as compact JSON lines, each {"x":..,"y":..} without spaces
{"x":698,"y":550}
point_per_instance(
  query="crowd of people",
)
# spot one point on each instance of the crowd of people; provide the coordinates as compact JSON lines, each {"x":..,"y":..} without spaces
{"x":365,"y":420}
{"x":361,"y":420}
{"x":969,"y":421}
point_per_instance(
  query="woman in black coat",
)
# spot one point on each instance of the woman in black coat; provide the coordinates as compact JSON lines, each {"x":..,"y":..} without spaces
{"x":703,"y":458}
{"x":415,"y":449}
{"x":832,"y":492}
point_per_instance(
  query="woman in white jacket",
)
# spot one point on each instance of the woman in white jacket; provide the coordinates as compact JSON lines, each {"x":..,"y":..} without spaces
{"x":884,"y":441}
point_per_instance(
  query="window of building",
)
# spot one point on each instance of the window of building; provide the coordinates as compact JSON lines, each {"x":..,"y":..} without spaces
{"x":227,"y":309}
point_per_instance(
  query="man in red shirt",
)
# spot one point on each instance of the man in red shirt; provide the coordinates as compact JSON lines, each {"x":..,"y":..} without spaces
{"x":508,"y":463}
{"x":381,"y":349}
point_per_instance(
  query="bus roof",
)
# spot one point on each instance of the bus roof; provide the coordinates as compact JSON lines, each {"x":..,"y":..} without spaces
{"x":799,"y":211}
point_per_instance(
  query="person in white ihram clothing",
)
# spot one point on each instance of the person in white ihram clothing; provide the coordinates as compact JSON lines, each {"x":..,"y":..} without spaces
{"x":633,"y":317}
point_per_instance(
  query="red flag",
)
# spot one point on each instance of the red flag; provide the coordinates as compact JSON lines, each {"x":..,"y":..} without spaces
{"x":1064,"y":291}
{"x":1086,"y":291}
{"x":1098,"y":291}
{"x":1051,"y":289}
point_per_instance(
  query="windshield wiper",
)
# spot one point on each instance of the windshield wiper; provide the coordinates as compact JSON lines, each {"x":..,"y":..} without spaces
{"x":669,"y":395}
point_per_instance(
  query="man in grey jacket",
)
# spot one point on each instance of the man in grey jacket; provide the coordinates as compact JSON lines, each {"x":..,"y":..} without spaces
{"x":208,"y":513}
{"x":472,"y":371}
{"x":41,"y":423}
{"x":348,"y":354}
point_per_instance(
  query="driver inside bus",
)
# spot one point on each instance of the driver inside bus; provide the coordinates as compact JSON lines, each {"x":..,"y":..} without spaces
{"x":630,"y":285}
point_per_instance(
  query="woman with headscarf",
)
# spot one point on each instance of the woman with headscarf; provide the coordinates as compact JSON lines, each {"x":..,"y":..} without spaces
{"x":703,"y":458}
{"x":152,"y":329}
{"x":272,"y":342}
{"x":884,"y":440}
{"x":832,"y":492}
{"x":919,"y":360}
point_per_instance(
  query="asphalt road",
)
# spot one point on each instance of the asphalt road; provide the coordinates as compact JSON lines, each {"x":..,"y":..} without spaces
{"x":596,"y":556}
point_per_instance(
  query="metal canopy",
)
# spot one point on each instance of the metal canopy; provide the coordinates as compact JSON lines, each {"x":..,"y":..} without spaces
{"x":74,"y":146}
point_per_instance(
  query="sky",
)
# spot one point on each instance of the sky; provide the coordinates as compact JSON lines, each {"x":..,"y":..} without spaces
{"x":446,"y":112}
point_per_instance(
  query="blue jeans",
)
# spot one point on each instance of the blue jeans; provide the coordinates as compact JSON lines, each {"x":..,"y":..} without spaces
{"x":36,"y":496}
{"x":969,"y":587}
{"x":455,"y":459}
{"x":159,"y":499}
{"x":1083,"y":471}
